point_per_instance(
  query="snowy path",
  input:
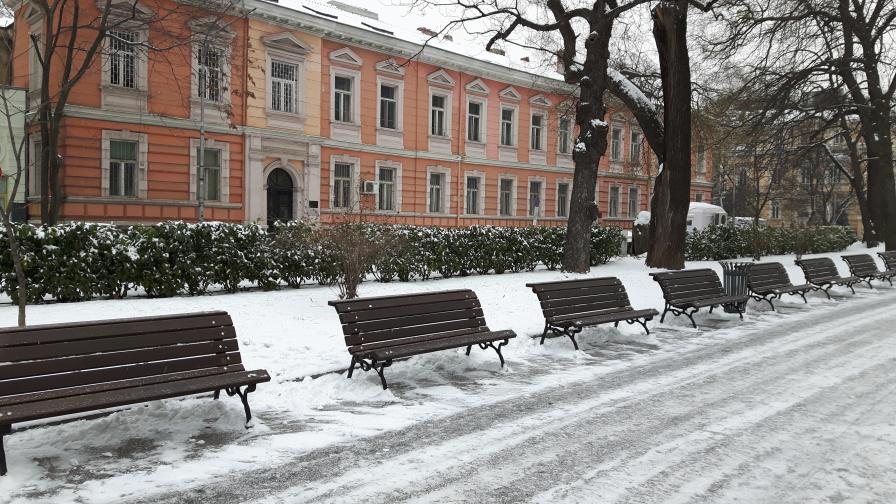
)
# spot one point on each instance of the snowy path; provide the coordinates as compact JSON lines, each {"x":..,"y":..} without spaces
{"x":796,"y":410}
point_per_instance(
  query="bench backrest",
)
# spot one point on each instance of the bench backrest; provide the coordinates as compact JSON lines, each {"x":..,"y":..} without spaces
{"x":409,"y":318}
{"x":589,"y":295}
{"x":689,"y":285}
{"x":861,"y":264}
{"x":41,"y":358}
{"x":889,"y":258}
{"x":818,"y":269}
{"x":767,"y":276}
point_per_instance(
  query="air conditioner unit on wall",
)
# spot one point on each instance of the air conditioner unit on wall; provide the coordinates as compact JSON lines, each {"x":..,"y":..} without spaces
{"x":368,"y":187}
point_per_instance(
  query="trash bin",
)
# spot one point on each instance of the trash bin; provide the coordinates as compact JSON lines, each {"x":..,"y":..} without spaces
{"x":734,"y":276}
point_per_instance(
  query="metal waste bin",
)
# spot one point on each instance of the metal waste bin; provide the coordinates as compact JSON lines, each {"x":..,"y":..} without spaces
{"x":734,"y":279}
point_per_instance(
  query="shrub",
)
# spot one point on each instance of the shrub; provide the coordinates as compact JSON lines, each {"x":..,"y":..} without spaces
{"x":74,"y":262}
{"x":728,"y":242}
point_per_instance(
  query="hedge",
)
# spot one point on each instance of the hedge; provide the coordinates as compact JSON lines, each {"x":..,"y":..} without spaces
{"x":78,"y":261}
{"x":728,"y":242}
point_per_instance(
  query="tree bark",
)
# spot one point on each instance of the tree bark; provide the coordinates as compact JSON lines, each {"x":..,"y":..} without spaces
{"x":21,"y":279}
{"x":591,"y":144}
{"x":671,"y":194}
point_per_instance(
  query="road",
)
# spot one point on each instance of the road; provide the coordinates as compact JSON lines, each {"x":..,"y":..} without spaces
{"x":799,"y":412}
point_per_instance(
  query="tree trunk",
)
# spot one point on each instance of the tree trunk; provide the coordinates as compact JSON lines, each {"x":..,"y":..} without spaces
{"x":671,"y":194}
{"x":591,"y":144}
{"x":21,"y":279}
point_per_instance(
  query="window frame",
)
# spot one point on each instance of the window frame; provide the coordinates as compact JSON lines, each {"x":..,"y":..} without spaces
{"x":635,"y":146}
{"x":569,"y":140}
{"x":568,"y":194}
{"x":224,"y":173}
{"x":511,"y":210}
{"x":542,"y":116}
{"x":541,"y":196}
{"x":513,"y":126}
{"x":617,"y":146}
{"x":396,"y":185}
{"x":445,"y":189}
{"x":613,"y":211}
{"x":382,"y":100}
{"x":636,"y":200}
{"x":438,"y":117}
{"x":483,"y":111}
{"x":108,"y":136}
{"x":480,"y":193}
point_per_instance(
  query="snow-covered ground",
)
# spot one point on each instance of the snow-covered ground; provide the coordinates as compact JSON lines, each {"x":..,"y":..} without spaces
{"x":174,"y":445}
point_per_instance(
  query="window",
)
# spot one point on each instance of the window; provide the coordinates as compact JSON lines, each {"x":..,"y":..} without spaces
{"x":438,"y":113}
{"x":534,"y":198}
{"x":562,"y":199}
{"x":211,"y":75}
{"x":472,"y":205}
{"x":535,"y":139}
{"x":474,"y":121}
{"x":436,"y":192}
{"x":698,"y":197}
{"x":505,"y":197}
{"x":635,"y":154}
{"x":122,"y":168}
{"x":564,"y":135}
{"x":613,"y":210}
{"x":122,"y":59}
{"x":701,"y":159}
{"x":507,"y":127}
{"x":212,"y":164}
{"x":616,"y":144}
{"x":343,"y":99}
{"x":776,"y":209}
{"x":634,"y":202}
{"x":388,"y":107}
{"x":342,"y":185}
{"x":386,"y":189}
{"x":284,"y":86}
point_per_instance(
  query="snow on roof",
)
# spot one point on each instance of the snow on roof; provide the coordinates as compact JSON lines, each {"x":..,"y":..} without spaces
{"x":402,"y":22}
{"x":696,"y":205}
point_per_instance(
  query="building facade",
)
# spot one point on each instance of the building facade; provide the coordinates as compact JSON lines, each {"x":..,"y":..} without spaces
{"x":314,"y":113}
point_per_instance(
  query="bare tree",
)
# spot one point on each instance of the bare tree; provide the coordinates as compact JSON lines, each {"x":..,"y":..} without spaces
{"x":790,"y":47}
{"x":12,"y":115}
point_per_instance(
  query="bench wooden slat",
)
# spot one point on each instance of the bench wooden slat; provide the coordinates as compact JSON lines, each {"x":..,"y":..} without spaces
{"x":51,"y":333}
{"x":585,"y":298}
{"x":404,"y":332}
{"x":372,"y":303}
{"x":102,"y":360}
{"x":412,"y":320}
{"x":362,"y":349}
{"x":93,"y":388}
{"x":574,"y":284}
{"x":611,"y":316}
{"x":403,"y":311}
{"x":148,"y":340}
{"x":33,"y":384}
{"x":133,"y":395}
{"x":397,"y":352}
{"x":586,"y":308}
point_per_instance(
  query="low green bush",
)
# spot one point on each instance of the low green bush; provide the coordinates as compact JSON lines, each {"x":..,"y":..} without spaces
{"x":76,"y":262}
{"x":717,"y":243}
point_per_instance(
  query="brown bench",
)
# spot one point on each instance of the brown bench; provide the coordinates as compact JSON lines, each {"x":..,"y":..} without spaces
{"x":823,"y":275}
{"x":769,"y":281}
{"x":379,"y":330}
{"x":61,"y":369}
{"x":571,"y":305}
{"x":864,"y":267}
{"x":889,"y":258}
{"x":687,"y":291}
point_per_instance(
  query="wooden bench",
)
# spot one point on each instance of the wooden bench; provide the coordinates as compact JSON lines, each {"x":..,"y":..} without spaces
{"x":61,"y":369}
{"x":864,"y":267}
{"x":769,"y":281}
{"x":379,"y":330}
{"x":687,"y":291}
{"x":823,"y":275}
{"x":571,"y":305}
{"x":889,"y":258}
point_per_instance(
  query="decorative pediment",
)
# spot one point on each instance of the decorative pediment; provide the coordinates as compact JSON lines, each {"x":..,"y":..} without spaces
{"x":510,"y":93}
{"x":618,"y":116}
{"x":539,"y":101}
{"x":389,"y":66}
{"x":286,"y":42}
{"x":346,"y":56}
{"x":440,"y":78}
{"x":477,"y":87}
{"x":127,"y":10}
{"x":210,"y":28}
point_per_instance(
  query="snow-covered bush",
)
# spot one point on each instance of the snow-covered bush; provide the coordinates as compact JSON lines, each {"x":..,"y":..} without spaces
{"x":74,"y":262}
{"x":728,"y":242}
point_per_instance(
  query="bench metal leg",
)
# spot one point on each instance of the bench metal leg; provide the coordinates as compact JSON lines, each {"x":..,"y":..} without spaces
{"x":571,"y":332}
{"x":367,"y":366}
{"x":682,"y":311}
{"x":217,"y":394}
{"x":643,"y":323}
{"x":544,"y":335}
{"x":232,"y":391}
{"x":664,"y":313}
{"x":351,"y":367}
{"x":803,"y":295}
{"x":496,"y":348}
{"x":691,"y":316}
{"x":380,"y":370}
{"x":4,"y":430}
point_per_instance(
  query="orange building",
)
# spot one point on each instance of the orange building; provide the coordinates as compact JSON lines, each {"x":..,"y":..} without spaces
{"x":325,"y":107}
